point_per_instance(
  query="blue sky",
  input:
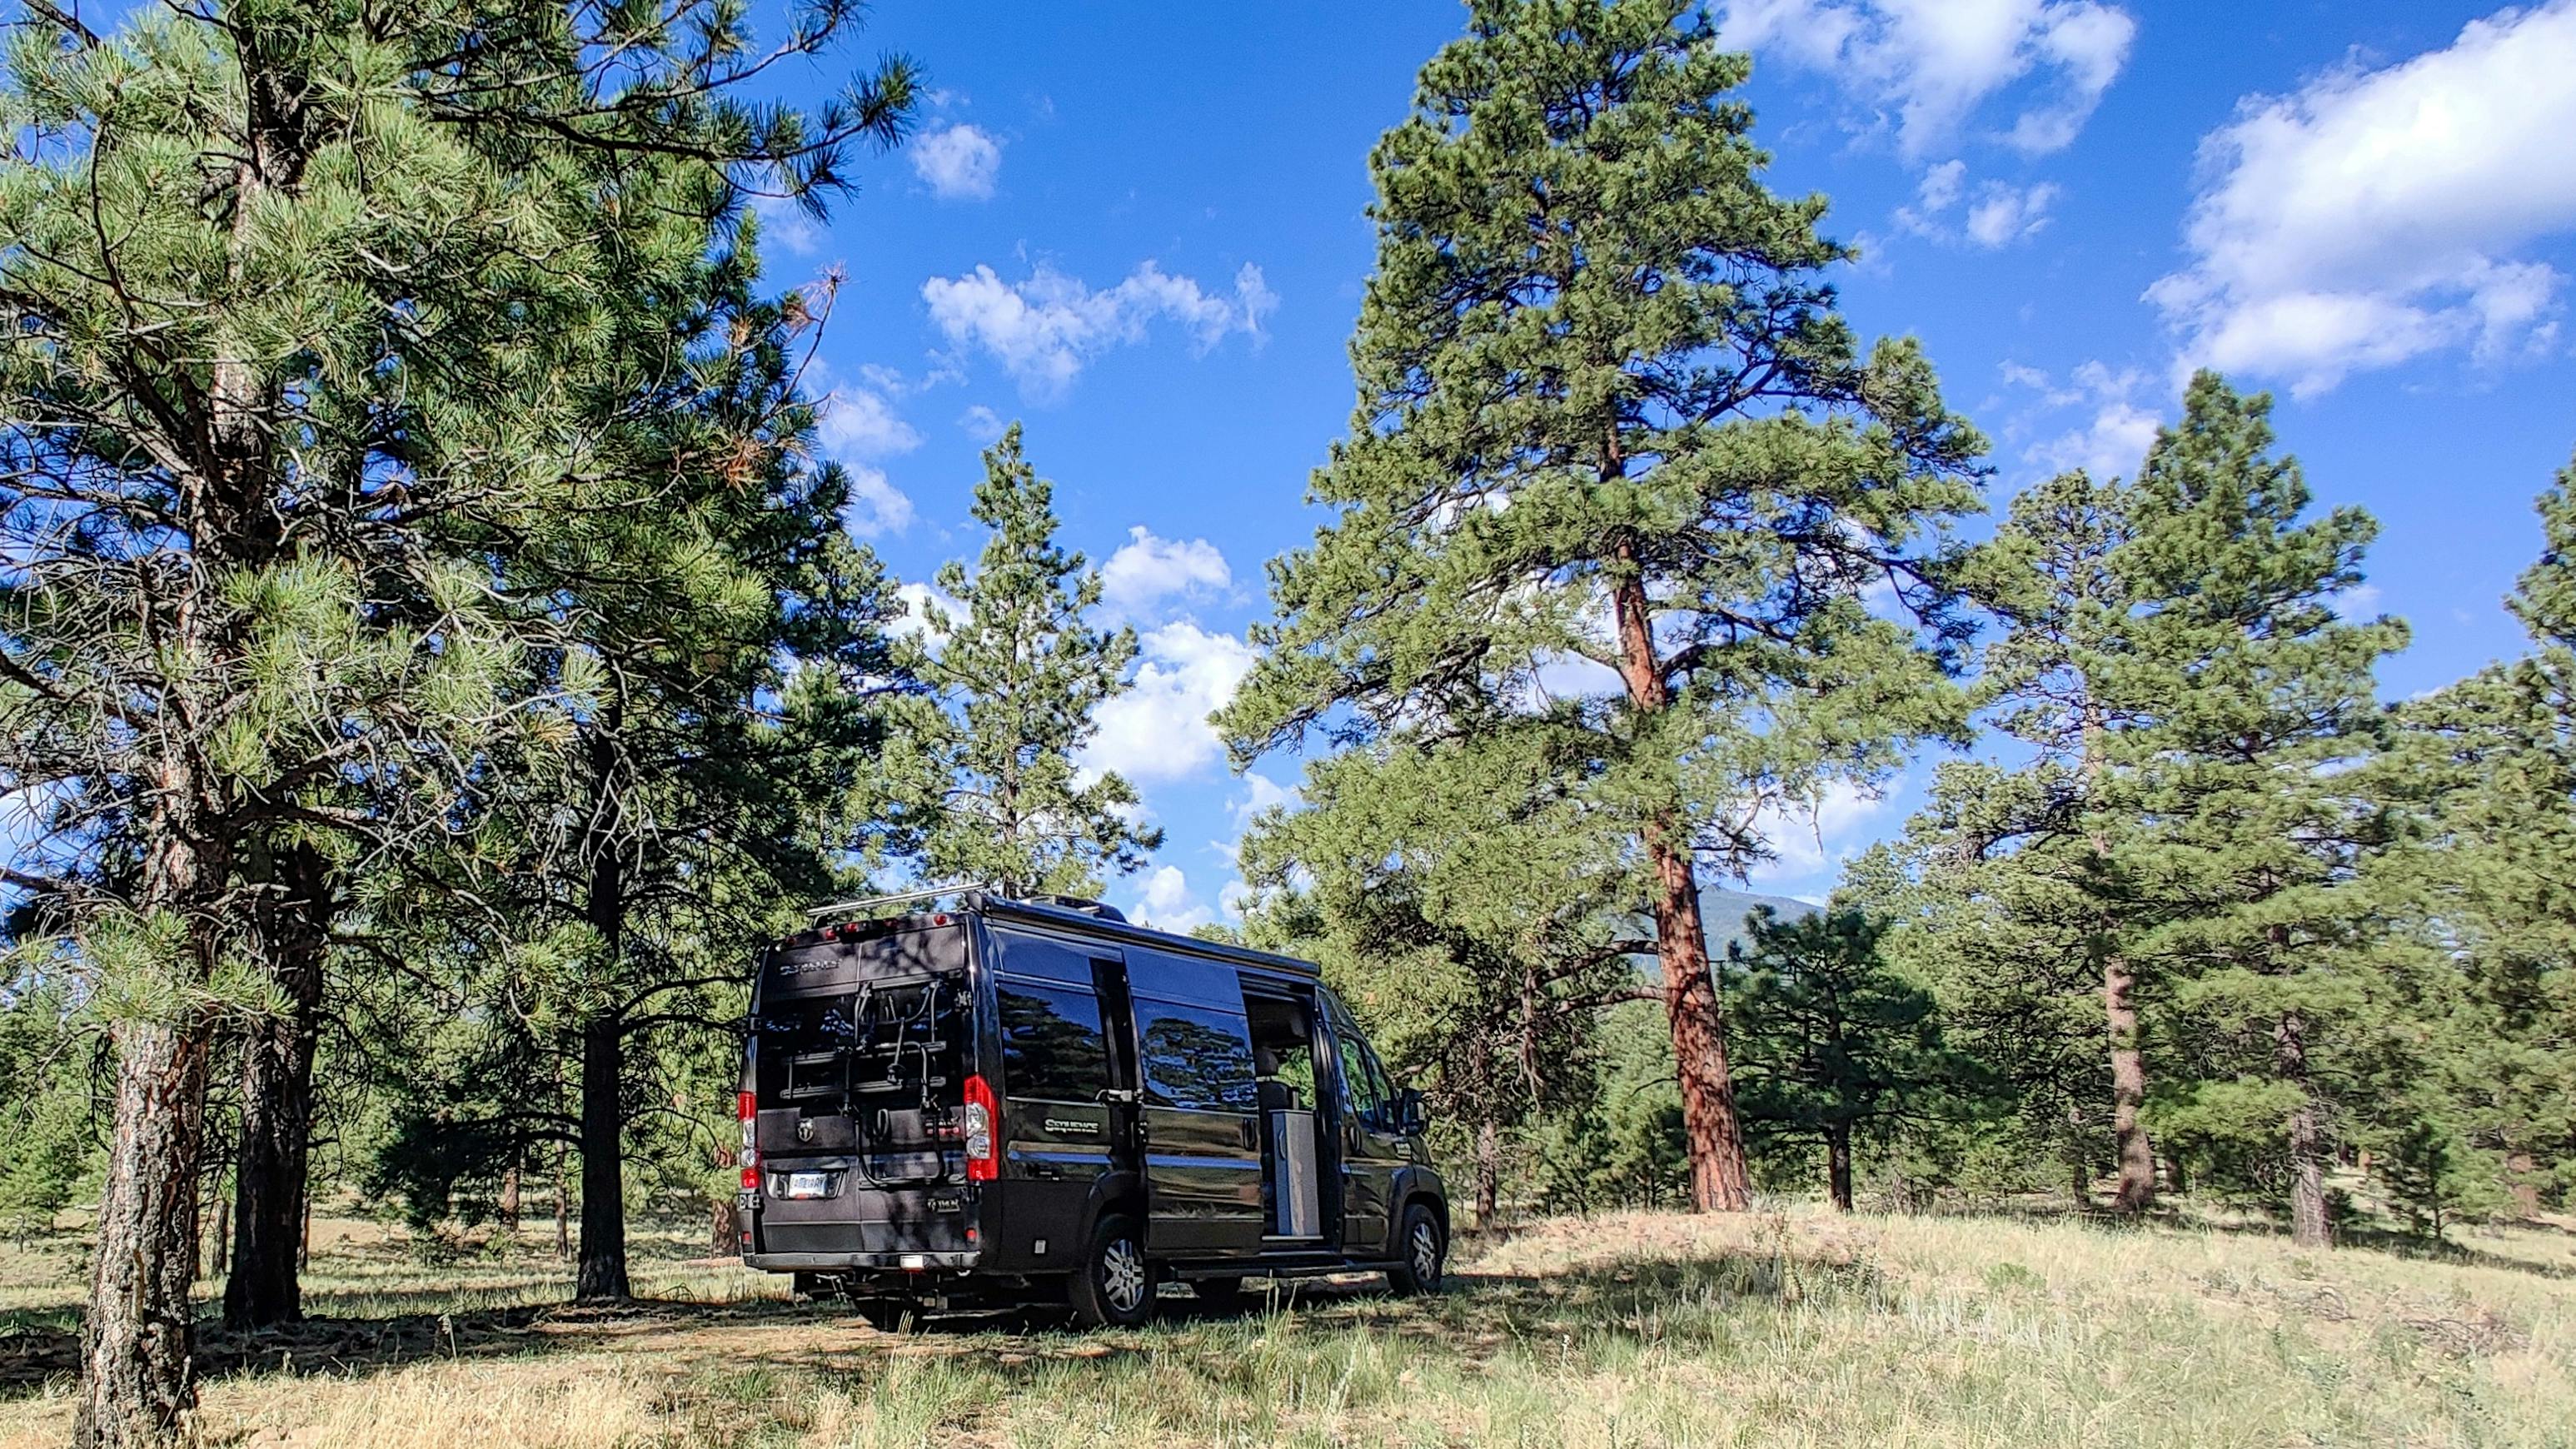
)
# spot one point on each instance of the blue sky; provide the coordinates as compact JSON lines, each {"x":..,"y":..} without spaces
{"x":1138,"y":229}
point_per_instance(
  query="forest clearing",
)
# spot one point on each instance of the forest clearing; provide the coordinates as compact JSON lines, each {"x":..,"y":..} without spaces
{"x":1790,"y":1326}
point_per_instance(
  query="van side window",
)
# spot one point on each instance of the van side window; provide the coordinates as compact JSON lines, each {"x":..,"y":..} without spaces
{"x":1195,"y":1059}
{"x":1052,"y":1046}
{"x":1362,"y":1080}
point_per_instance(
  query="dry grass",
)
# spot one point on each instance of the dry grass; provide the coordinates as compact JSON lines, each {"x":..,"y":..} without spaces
{"x":1793,"y":1328}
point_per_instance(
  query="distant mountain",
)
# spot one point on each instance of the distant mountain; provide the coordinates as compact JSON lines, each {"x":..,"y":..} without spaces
{"x":1721,"y":914}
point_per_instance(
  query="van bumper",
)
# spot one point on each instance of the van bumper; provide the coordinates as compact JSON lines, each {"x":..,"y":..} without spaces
{"x":865,"y":1262}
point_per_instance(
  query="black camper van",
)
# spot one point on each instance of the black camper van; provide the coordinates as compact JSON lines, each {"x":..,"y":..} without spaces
{"x":960,"y":1099}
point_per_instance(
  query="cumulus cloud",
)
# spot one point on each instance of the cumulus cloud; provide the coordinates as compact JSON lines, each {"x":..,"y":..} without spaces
{"x":1165,"y":901}
{"x":1934,"y":65}
{"x":858,"y":422}
{"x":789,"y":225}
{"x":1812,"y":836}
{"x":1044,"y":329}
{"x":926,"y":610}
{"x":981,"y":423}
{"x":1997,"y":213}
{"x":2112,"y":440}
{"x":877,"y":507}
{"x":1158,"y":729}
{"x":960,"y":162}
{"x":2374,"y":215}
{"x":1147,"y":569}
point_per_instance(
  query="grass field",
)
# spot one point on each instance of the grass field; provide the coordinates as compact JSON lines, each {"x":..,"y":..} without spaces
{"x":1791,"y":1328}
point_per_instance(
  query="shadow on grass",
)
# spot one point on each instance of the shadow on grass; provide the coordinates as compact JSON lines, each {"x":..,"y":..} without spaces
{"x":1479,"y":1315}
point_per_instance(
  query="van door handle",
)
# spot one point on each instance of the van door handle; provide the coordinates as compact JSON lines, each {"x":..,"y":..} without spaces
{"x":1251,"y":1134}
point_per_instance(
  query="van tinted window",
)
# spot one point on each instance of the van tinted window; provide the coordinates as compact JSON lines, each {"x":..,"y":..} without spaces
{"x":1052,"y":1046}
{"x":1196,"y":1059}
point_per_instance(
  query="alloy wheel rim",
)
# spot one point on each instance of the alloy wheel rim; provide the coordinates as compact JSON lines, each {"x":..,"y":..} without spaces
{"x":1122,"y":1273}
{"x":1426,"y":1252}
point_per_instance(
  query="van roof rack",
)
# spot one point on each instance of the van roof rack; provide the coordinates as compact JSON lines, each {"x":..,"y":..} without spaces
{"x":1085,"y":904}
{"x":867,"y":905}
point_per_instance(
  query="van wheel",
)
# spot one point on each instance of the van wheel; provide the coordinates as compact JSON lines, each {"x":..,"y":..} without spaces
{"x":1424,"y":1263}
{"x":1115,"y":1288}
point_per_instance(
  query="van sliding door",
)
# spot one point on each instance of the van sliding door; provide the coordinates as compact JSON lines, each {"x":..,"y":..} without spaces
{"x":1199,"y":1119}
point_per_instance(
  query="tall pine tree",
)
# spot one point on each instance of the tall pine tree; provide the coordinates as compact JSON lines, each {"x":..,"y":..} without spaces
{"x":982,"y":768}
{"x":1608,"y":412}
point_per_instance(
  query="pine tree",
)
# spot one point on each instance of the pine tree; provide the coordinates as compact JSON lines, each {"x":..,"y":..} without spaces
{"x":2253,"y":700}
{"x":1832,"y":1044}
{"x":983,"y":769}
{"x":2491,"y":763}
{"x":1456,"y":895}
{"x":291,"y":290}
{"x":1607,"y":412}
{"x":2039,"y":846}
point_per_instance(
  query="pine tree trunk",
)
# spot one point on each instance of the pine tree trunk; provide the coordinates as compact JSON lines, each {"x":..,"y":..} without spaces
{"x":725,"y":1228}
{"x":2308,"y":1225}
{"x":563,"y":1204}
{"x":1720,"y":1181}
{"x":602,"y":1274}
{"x":1489,"y":1170}
{"x":277,"y":1099}
{"x":220,"y":1260}
{"x":138,"y":1372}
{"x":510,"y":1200}
{"x":1838,"y":1172}
{"x":2137,"y":1189}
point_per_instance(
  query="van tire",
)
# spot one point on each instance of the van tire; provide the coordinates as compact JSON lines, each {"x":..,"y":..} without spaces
{"x":889,"y":1315}
{"x":1115,"y":1287}
{"x":1422,"y":1253}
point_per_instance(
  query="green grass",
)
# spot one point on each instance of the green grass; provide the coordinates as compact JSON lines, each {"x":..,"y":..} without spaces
{"x":1790,"y":1328}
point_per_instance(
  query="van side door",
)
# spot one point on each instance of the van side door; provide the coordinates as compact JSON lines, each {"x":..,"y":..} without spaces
{"x":1058,"y":1060}
{"x":1374,"y":1148}
{"x":1199,"y":1114}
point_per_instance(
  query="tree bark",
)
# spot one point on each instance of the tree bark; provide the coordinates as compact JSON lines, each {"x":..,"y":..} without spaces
{"x":2137,"y":1187}
{"x":2308,"y":1225}
{"x":220,"y":1259}
{"x":1720,"y":1181}
{"x":1489,"y":1170}
{"x":510,"y":1199}
{"x":725,"y":1228}
{"x":294,"y":924}
{"x":563,"y":1205}
{"x":602,"y":1274}
{"x":1838,"y":1172}
{"x":138,"y":1370}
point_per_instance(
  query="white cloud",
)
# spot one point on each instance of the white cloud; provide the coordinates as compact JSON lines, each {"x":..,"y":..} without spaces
{"x":877,"y":507}
{"x":961,"y":162}
{"x":980,"y":423}
{"x":1158,"y":730}
{"x":1260,"y":794}
{"x":788,"y":224}
{"x":927,"y":611}
{"x":2006,"y":214}
{"x":1811,"y":836}
{"x":2113,"y":441}
{"x":1937,"y":63}
{"x":1997,"y":214}
{"x":1167,"y":903}
{"x":858,"y":422}
{"x":2372,"y":216}
{"x":1044,"y":329}
{"x":1147,"y":568}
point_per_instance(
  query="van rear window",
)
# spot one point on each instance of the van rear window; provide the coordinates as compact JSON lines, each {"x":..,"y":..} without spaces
{"x":1052,"y":1044}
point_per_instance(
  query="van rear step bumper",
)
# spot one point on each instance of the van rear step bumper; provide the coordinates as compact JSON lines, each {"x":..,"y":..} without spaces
{"x":881,"y":1262}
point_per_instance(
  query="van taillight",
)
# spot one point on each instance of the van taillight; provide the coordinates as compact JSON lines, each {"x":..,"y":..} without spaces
{"x":747,"y":1107}
{"x":983,"y":1132}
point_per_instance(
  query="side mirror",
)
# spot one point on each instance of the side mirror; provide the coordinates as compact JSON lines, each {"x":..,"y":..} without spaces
{"x":1408,"y":1109}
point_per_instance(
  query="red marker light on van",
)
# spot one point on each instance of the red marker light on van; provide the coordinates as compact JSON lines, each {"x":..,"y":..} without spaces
{"x":983,"y":1131}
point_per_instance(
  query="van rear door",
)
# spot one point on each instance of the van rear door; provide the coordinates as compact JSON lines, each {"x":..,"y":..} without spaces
{"x":1199,"y":1114}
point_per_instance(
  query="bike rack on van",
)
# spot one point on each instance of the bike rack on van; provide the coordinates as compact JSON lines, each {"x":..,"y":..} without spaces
{"x":876,"y":903}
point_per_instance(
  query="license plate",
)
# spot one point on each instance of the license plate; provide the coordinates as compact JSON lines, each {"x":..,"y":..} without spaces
{"x":809,"y":1184}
